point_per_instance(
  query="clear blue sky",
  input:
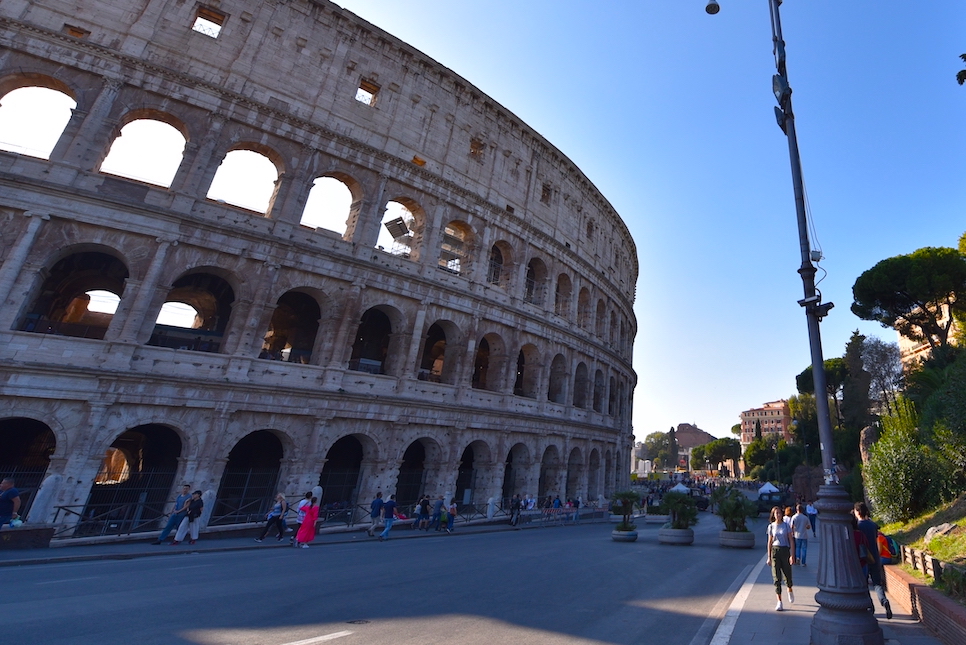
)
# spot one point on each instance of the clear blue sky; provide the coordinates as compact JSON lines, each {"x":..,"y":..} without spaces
{"x":669,"y":112}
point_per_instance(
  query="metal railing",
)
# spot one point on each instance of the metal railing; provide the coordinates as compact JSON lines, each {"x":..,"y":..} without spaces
{"x":82,"y":520}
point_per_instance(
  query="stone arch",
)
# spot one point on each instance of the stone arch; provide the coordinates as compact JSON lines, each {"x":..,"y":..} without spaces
{"x":62,"y":304}
{"x":575,"y":474}
{"x":613,"y":329}
{"x":527,"y":372}
{"x":581,"y":385}
{"x":593,"y":475}
{"x":334,"y":201}
{"x":535,"y":283}
{"x":402,"y":223}
{"x":421,"y":461}
{"x":469,"y":475}
{"x":211,"y":297}
{"x":153,"y":150}
{"x":557,"y":388}
{"x":515,"y":472}
{"x":251,"y":165}
{"x":612,"y":397}
{"x":28,"y":445}
{"x":562,"y":295}
{"x":584,"y":317}
{"x":599,"y":388}
{"x":489,"y":365}
{"x":549,"y":473}
{"x":455,"y":255}
{"x":340,"y":474}
{"x":441,"y":346}
{"x":500,"y":266}
{"x":292,"y":329}
{"x":376,"y":340}
{"x":601,"y":319}
{"x":29,"y":92}
{"x":250,"y":480}
{"x":133,"y":483}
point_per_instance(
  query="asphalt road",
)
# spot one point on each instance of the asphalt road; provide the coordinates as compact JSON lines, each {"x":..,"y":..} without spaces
{"x":557,"y":585}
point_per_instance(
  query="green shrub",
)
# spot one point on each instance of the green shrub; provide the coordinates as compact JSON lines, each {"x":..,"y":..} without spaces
{"x":682,"y":509}
{"x":733,"y":508}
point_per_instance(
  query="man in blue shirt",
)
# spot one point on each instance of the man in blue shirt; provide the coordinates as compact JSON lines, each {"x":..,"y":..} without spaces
{"x":388,"y":516}
{"x":375,"y":513}
{"x":178,"y":514}
{"x":870,"y":530}
{"x":9,"y":501}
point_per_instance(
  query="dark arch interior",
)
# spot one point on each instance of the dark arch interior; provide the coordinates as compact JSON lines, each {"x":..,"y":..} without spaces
{"x":481,"y":365}
{"x":466,"y":477}
{"x":434,"y":353}
{"x":410,"y":483}
{"x":292,"y":330}
{"x":340,"y":475}
{"x":372,"y":343}
{"x":26,"y":448}
{"x":61,"y":306}
{"x":134,"y":482}
{"x":248,"y":484}
{"x":212,"y":298}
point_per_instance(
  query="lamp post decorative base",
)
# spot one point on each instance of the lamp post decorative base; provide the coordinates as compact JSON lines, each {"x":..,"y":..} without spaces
{"x":845,"y":615}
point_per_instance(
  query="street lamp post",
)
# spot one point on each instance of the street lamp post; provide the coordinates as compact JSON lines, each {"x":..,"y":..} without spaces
{"x":845,"y":606}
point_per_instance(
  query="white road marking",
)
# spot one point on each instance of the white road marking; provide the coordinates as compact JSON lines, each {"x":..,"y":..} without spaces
{"x":703,"y":635}
{"x":727,"y":627}
{"x":192,"y":566}
{"x":320,"y":639}
{"x":51,"y":582}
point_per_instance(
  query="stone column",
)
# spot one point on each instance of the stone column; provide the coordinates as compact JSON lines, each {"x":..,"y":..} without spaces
{"x":255,"y":322}
{"x":197,"y":168}
{"x":14,"y":262}
{"x":128,"y":324}
{"x":89,"y":143}
{"x":363,"y":228}
{"x":411,"y":365}
{"x":348,"y":324}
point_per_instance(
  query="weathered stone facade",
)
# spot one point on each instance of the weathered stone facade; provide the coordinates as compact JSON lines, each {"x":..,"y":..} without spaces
{"x":503,"y":373}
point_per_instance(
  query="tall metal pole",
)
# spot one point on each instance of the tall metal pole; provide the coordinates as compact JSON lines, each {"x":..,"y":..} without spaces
{"x":845,"y":606}
{"x":844,"y":614}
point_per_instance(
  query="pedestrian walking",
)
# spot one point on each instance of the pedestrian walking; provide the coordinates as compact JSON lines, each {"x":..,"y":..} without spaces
{"x":516,"y":505}
{"x":300,"y":515}
{"x":800,"y":529}
{"x":191,"y":523}
{"x":435,"y":520}
{"x":780,"y":554}
{"x":9,"y":501}
{"x":388,"y":517}
{"x":870,"y":530}
{"x":177,"y":514}
{"x":275,"y":518}
{"x":375,"y":514}
{"x":306,"y":532}
{"x":812,"y":513}
{"x":423,"y":516}
{"x":451,"y":513}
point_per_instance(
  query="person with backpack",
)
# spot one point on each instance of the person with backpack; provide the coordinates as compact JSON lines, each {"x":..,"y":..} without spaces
{"x":888,"y":549}
{"x":870,"y":530}
{"x":191,"y":521}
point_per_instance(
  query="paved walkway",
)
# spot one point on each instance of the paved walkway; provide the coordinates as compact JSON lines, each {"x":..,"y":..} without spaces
{"x":758,"y":621}
{"x":750,"y":619}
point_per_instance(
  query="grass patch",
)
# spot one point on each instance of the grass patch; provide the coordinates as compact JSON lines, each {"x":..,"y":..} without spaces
{"x":948,"y":548}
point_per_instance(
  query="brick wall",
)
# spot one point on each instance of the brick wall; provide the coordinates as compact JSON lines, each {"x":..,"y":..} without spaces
{"x":944,"y":617}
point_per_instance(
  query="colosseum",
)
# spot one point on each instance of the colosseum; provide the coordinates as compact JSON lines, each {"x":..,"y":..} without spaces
{"x":460,"y":323}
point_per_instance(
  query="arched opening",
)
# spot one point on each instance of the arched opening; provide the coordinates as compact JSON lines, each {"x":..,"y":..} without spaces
{"x":32,"y":120}
{"x":525,"y":383}
{"x":27,"y":445}
{"x":466,"y":477}
{"x":580,"y":386}
{"x":561,"y":298}
{"x":575,"y":467}
{"x":515,"y":472}
{"x":598,"y":391}
{"x":494,"y":272}
{"x":410,"y":484}
{"x":249,"y":484}
{"x":371,"y":347}
{"x":612,"y":397}
{"x":549,"y":470}
{"x":557,"y":390}
{"x":340,"y":474}
{"x":535,"y":281}
{"x":396,"y":233}
{"x":481,"y":365}
{"x":245,"y":179}
{"x":328,"y":206}
{"x":613,"y":330}
{"x":601,"y":318}
{"x":434,"y":355}
{"x":146,"y":150}
{"x":623,"y":345}
{"x":134,"y":482}
{"x":593,"y":476}
{"x":292,"y":330}
{"x":211,"y":298}
{"x":63,"y":305}
{"x":583,"y":309}
{"x":454,"y":249}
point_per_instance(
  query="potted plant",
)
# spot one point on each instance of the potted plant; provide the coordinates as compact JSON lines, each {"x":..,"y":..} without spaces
{"x":623,"y":503}
{"x":735,"y":509}
{"x":656,"y":514}
{"x":683,"y":513}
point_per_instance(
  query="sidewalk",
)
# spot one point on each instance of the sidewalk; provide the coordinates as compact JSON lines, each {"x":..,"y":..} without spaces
{"x":758,"y":621}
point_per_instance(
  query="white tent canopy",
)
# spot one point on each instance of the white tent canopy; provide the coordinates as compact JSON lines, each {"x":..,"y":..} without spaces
{"x":680,"y":488}
{"x":767,"y":488}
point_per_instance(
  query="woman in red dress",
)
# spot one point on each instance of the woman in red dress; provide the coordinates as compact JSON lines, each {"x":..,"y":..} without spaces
{"x":307,"y":531}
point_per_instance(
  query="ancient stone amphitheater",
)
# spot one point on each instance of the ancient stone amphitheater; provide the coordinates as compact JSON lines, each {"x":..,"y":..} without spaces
{"x":462,"y":325}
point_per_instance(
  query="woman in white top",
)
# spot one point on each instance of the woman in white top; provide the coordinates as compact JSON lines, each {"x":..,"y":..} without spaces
{"x":781,"y":554}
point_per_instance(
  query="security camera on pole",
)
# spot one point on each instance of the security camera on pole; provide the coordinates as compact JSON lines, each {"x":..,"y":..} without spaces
{"x":844,"y":614}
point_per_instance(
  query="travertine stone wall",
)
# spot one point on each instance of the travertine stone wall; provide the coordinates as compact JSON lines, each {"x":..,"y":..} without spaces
{"x":280,"y":79}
